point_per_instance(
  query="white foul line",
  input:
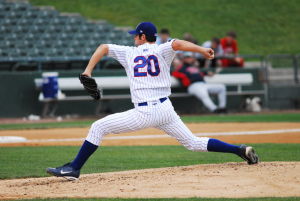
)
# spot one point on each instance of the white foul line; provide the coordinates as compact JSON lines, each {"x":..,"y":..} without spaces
{"x":251,"y":132}
{"x":266,"y":132}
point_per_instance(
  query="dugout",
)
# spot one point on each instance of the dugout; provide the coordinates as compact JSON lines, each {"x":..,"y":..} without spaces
{"x":21,"y":97}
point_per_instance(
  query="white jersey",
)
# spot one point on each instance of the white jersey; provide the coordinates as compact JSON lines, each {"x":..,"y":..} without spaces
{"x":148,"y":69}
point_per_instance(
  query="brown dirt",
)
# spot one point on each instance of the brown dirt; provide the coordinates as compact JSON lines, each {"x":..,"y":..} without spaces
{"x":214,"y":180}
{"x":64,"y":133}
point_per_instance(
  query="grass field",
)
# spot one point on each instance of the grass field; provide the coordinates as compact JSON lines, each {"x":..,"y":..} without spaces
{"x":34,"y":160}
{"x":23,"y":162}
{"x":274,"y":117}
{"x":263,"y":27}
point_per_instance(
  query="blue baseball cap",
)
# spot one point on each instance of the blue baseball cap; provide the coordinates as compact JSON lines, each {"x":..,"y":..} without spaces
{"x":146,"y":28}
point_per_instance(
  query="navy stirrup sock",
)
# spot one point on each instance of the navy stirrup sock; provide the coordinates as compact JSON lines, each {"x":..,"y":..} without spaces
{"x":86,"y":150}
{"x":219,"y":146}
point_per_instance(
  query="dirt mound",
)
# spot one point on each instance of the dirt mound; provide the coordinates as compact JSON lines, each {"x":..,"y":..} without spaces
{"x":267,"y":179}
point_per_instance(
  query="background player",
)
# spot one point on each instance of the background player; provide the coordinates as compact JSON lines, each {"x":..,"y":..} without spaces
{"x":148,"y":69}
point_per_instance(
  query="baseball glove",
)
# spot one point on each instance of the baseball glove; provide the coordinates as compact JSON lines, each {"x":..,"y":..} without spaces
{"x":90,"y":86}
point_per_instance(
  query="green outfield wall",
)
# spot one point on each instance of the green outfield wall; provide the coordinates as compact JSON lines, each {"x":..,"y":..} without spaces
{"x":19,"y":96}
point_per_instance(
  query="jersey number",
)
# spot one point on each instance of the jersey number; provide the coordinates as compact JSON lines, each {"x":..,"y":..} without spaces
{"x":143,"y":62}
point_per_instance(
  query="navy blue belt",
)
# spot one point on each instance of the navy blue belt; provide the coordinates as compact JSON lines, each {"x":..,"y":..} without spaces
{"x":145,"y":103}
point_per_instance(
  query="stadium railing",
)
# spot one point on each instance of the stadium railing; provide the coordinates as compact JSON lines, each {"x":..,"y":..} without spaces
{"x":38,"y":63}
{"x":250,"y":57}
{"x":276,"y":61}
{"x":296,"y":68}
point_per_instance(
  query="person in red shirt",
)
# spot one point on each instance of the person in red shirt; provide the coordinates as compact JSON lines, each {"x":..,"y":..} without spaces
{"x":230,"y":48}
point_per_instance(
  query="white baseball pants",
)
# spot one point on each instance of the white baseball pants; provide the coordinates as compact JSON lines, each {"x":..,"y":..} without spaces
{"x":156,"y":114}
{"x":202,"y":90}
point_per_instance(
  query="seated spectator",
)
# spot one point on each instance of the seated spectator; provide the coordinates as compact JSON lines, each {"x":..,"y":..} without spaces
{"x":230,"y":48}
{"x":191,"y":78}
{"x":189,"y":37}
{"x":176,"y":63}
{"x":214,"y":43}
{"x":163,"y":36}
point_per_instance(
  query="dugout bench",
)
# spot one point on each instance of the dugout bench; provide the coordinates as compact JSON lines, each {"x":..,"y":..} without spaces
{"x":237,"y":82}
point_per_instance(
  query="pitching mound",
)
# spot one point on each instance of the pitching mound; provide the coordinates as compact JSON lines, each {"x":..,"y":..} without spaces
{"x":268,"y":179}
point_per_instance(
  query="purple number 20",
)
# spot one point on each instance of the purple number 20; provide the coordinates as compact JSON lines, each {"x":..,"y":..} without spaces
{"x":142,"y":62}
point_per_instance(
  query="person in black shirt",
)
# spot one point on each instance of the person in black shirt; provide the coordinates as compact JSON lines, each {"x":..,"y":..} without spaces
{"x":193,"y":79}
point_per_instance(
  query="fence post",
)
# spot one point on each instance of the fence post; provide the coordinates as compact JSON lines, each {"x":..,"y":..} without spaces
{"x":296,"y":63}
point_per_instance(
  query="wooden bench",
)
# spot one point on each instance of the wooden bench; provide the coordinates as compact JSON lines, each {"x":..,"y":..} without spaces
{"x":237,"y":80}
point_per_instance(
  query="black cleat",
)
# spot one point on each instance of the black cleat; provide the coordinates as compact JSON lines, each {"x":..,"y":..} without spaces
{"x":248,"y":154}
{"x":66,"y":171}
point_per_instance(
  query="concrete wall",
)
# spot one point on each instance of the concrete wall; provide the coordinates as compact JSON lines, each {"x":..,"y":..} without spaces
{"x":284,"y":97}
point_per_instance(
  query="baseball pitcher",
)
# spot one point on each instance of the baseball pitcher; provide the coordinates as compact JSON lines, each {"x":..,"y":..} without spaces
{"x":148,"y":69}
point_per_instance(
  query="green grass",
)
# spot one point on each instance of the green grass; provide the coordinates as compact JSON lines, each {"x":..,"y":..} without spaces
{"x":279,"y":117}
{"x":274,"y":117}
{"x":18,"y":162}
{"x":175,"y":199}
{"x":263,"y":27}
